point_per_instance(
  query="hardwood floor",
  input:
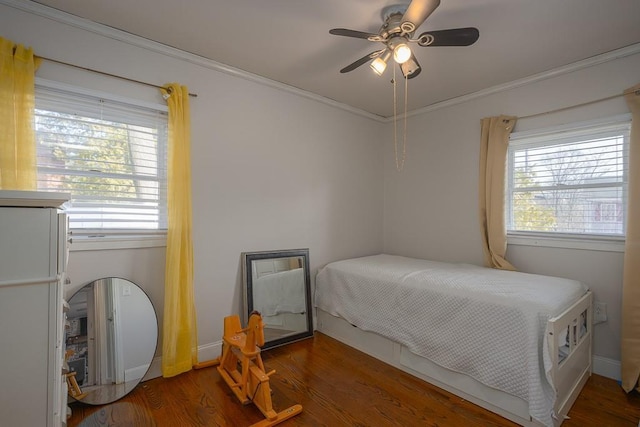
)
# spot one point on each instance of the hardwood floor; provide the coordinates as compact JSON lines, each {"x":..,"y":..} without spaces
{"x":337,"y":386}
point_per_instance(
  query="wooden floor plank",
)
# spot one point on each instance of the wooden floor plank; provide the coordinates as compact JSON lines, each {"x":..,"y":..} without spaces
{"x":337,"y":386}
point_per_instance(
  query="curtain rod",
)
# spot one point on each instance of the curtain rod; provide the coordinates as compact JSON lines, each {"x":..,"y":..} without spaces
{"x":636,"y":92}
{"x":108,"y":74}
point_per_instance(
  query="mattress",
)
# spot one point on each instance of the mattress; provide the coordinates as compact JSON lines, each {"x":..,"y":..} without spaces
{"x":486,"y":323}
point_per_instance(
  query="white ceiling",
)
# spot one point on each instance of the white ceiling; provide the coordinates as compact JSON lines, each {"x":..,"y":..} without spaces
{"x":288,"y":40}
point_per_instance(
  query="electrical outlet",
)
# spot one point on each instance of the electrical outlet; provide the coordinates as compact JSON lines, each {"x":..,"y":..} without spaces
{"x":599,"y":312}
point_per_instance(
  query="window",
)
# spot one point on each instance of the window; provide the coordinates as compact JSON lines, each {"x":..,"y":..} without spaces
{"x":110,"y":155}
{"x":569,"y":181}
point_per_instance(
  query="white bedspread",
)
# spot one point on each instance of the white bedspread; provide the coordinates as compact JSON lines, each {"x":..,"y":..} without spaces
{"x":489,"y":324}
{"x":281,"y":292}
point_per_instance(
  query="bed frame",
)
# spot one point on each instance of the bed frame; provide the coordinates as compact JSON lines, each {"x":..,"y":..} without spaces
{"x":569,"y":375}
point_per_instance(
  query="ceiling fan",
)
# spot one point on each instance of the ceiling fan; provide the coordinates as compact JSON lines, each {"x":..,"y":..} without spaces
{"x":399,"y":25}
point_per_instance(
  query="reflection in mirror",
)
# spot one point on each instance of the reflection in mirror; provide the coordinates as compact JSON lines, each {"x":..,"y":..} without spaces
{"x":276,"y":283}
{"x":111,"y":338}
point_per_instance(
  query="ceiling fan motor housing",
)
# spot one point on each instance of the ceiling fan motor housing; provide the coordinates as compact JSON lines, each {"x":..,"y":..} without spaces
{"x":395,"y":9}
{"x":393,"y":24}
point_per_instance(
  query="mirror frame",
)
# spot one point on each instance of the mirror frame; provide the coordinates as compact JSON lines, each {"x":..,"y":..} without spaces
{"x":247,"y":259}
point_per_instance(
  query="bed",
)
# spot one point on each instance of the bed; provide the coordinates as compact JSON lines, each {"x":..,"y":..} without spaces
{"x":514,"y":343}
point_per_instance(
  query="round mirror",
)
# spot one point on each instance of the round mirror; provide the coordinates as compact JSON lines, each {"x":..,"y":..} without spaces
{"x":111,"y":339}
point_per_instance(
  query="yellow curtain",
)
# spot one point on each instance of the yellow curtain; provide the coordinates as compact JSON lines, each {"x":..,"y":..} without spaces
{"x":493,"y":163}
{"x":18,"y":169}
{"x":631,"y":275}
{"x":179,"y":333}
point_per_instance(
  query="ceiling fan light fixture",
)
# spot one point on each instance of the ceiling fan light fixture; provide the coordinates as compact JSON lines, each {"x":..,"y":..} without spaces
{"x":410,"y":68}
{"x":401,"y":53}
{"x":379,"y":64}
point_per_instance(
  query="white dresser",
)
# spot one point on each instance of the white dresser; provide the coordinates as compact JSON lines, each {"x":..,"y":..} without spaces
{"x":33,"y":251}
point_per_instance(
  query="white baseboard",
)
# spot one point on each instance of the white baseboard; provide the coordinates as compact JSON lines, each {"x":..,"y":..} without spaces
{"x":155,"y":370}
{"x":205,"y":352}
{"x":606,"y":367}
{"x":136,"y":373}
{"x":209,"y":351}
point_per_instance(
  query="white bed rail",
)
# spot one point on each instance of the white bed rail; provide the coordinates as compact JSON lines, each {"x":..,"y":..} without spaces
{"x":569,"y":339}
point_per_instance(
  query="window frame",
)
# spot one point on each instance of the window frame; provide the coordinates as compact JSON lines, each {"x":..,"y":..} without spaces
{"x":599,"y":242}
{"x":112,"y":238}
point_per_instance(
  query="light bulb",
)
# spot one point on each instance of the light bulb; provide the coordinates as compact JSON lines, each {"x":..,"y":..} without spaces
{"x":378,"y":66}
{"x":401,"y":53}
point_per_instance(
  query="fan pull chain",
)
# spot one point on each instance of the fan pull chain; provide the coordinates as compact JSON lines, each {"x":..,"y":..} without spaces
{"x":404,"y":135}
{"x":399,"y":163}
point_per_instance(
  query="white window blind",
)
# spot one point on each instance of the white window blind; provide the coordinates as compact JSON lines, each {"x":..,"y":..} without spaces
{"x":572,"y":180}
{"x":111,"y":157}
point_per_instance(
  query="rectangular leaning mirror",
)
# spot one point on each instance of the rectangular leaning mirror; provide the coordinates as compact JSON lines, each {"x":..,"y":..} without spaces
{"x":277,"y":284}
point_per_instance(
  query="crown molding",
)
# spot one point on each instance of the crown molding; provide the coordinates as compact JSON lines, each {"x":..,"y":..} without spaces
{"x":122,"y":36}
{"x":153,"y":46}
{"x":570,"y":68}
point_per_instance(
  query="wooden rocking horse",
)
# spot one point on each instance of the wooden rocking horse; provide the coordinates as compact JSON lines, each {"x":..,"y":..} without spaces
{"x":251,"y":382}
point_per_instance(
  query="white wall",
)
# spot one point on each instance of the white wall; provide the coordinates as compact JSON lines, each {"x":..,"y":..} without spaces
{"x":431,"y":208}
{"x":270,"y":169}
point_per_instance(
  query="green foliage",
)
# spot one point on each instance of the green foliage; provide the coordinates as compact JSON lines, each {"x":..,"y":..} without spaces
{"x":527,"y":213}
{"x":99,"y":149}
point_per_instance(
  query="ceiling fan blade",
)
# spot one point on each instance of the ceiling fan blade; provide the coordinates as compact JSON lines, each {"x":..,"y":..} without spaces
{"x":452,"y":37}
{"x":411,"y":68}
{"x":351,"y":33}
{"x":417,"y":12}
{"x":361,"y":61}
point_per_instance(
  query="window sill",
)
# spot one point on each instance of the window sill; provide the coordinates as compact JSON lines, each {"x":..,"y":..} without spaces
{"x":590,"y":243}
{"x":98,"y":241}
